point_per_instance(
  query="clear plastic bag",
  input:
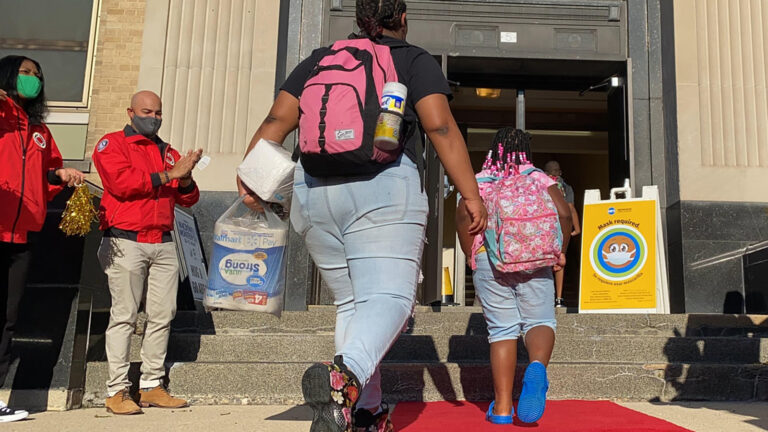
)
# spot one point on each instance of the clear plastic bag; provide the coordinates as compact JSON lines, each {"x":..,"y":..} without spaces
{"x":247,"y":271}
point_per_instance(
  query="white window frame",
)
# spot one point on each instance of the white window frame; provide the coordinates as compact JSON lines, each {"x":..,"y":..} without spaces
{"x":87,"y":82}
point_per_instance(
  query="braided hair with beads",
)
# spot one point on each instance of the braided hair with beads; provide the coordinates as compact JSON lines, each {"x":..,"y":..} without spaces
{"x":374,"y":16}
{"x":510,"y":148}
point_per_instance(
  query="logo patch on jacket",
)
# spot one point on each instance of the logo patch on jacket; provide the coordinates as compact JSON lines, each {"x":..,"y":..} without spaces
{"x":39,"y":139}
{"x":170,"y":160}
{"x":102,"y":145}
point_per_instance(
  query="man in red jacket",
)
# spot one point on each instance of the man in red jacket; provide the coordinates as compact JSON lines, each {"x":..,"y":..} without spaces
{"x":143,"y":179}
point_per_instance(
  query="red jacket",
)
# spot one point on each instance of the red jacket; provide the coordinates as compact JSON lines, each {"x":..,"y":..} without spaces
{"x":134,"y":200}
{"x":28,"y":155}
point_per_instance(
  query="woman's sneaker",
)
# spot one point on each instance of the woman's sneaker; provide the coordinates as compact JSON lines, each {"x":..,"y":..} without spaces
{"x":533,"y":397}
{"x":366,"y":421}
{"x":332,"y":391}
{"x":11,"y":415}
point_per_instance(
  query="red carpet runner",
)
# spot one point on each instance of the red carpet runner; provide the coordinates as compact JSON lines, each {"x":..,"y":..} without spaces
{"x":560,"y":416}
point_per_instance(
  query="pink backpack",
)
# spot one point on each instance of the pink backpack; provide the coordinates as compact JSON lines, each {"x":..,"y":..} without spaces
{"x":523,"y":231}
{"x":339,"y":108}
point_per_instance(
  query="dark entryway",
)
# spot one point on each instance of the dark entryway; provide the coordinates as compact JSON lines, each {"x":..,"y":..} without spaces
{"x":576,"y":112}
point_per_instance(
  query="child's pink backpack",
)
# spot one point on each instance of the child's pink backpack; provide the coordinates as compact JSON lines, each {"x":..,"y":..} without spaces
{"x":339,"y":108}
{"x":523,"y":226}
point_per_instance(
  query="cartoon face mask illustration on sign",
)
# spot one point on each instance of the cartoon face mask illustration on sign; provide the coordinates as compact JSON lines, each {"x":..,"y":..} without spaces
{"x":619,"y":252}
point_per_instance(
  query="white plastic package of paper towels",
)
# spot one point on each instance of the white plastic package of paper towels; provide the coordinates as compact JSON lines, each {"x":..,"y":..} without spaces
{"x":248,"y":265}
{"x":268,"y":172}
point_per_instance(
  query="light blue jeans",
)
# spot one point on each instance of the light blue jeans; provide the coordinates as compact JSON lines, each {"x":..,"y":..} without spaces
{"x":514,"y":303}
{"x":366,"y":236}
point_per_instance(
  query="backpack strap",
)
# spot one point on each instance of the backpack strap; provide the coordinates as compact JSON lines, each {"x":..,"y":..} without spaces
{"x":530,"y":171}
{"x":296,"y":153}
{"x":326,"y":50}
{"x":488,"y":179}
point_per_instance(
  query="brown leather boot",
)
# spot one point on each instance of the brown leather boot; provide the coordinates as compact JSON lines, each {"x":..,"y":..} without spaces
{"x":160,"y":398}
{"x":122,"y":404}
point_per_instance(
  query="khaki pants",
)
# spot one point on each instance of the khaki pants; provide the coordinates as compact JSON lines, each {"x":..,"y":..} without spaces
{"x":132,"y":268}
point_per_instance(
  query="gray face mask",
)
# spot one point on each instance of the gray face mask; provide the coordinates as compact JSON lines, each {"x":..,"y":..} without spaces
{"x":147,"y":126}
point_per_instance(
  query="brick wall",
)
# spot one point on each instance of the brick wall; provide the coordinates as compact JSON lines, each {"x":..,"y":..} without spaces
{"x":116,"y":66}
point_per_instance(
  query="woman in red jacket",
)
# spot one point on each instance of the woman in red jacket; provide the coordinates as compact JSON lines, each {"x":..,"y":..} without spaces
{"x":31,"y":173}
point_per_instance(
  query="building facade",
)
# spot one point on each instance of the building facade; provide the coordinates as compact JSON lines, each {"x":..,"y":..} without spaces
{"x":670,"y":93}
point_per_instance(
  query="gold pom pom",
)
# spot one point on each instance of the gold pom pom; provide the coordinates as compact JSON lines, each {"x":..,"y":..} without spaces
{"x":79,"y":213}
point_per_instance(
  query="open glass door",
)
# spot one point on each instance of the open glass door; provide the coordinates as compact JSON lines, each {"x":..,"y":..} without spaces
{"x":586,"y":131}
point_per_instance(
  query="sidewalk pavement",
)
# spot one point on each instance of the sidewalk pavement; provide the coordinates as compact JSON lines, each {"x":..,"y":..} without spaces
{"x":696,"y":416}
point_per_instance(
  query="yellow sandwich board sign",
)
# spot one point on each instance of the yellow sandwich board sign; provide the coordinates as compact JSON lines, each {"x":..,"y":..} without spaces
{"x":622,"y":259}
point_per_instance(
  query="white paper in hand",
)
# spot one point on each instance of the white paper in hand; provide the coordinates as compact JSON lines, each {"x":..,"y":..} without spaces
{"x":203,"y":162}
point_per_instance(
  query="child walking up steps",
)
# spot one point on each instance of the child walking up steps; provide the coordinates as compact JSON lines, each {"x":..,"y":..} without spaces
{"x":529,"y":226}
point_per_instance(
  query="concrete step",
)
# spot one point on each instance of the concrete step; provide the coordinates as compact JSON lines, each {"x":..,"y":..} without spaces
{"x":240,"y":357}
{"x":409,"y":348}
{"x":279,"y":383}
{"x":470,"y":321}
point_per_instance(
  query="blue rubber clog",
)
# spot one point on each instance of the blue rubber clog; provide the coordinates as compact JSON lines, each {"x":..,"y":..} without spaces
{"x":533,"y":398}
{"x":497,"y":419}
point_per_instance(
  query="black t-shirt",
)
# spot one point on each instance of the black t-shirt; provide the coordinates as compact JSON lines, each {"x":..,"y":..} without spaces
{"x":415,"y":67}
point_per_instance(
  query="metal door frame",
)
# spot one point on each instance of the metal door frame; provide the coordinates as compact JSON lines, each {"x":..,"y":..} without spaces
{"x":650,"y":30}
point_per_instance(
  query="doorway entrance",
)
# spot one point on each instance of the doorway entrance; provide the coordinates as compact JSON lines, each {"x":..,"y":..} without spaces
{"x":577,"y":115}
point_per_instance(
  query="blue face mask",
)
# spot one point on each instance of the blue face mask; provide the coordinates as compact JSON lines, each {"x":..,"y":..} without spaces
{"x":28,"y":86}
